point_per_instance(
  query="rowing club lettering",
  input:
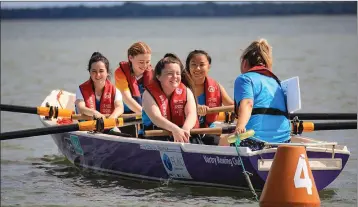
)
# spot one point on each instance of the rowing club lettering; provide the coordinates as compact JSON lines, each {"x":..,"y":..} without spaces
{"x":221,"y":160}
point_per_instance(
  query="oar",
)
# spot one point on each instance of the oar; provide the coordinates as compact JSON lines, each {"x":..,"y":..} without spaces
{"x":53,"y":112}
{"x":306,"y":127}
{"x":302,"y":116}
{"x":85,"y":117}
{"x":81,"y":126}
{"x":214,"y":130}
{"x":324,"y":116}
{"x":310,"y":126}
{"x":220,"y":109}
{"x":40,"y":110}
{"x":308,"y":116}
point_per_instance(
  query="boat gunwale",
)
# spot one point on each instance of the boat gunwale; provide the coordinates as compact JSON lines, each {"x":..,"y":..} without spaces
{"x":188,"y":147}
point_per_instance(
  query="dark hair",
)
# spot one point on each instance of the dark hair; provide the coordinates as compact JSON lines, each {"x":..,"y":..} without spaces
{"x":192,"y":54}
{"x":96,"y":57}
{"x":172,"y":58}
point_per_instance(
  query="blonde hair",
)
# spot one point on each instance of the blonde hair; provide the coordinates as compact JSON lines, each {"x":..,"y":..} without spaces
{"x":259,"y":52}
{"x":138,"y":48}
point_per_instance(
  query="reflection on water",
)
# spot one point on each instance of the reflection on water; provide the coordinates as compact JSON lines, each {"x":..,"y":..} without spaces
{"x":60,"y":167}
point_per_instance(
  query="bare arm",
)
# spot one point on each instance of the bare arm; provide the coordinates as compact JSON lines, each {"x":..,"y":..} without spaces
{"x":152,"y":110}
{"x":81,"y":106}
{"x":226,"y":99}
{"x":130,"y":102}
{"x":244,"y":114}
{"x":118,"y":109}
{"x":190,"y":111}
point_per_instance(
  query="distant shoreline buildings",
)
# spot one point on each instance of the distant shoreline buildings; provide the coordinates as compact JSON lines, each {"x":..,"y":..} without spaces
{"x":204,"y":9}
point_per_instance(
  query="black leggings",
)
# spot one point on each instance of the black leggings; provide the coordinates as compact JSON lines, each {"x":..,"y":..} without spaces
{"x":130,"y":129}
{"x":210,"y":139}
{"x":254,"y":145}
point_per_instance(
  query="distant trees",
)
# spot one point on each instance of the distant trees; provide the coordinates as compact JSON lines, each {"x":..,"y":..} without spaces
{"x":205,"y":9}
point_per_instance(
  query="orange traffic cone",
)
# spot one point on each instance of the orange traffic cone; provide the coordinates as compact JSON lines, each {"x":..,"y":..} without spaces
{"x":290,"y":181}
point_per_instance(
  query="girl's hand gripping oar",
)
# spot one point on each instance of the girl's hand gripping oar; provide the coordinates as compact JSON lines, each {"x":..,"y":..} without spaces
{"x":215,"y":130}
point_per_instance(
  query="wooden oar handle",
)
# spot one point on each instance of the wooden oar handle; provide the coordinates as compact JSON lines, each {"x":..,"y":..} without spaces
{"x":154,"y":133}
{"x":85,"y":117}
{"x":138,"y":115}
{"x":221,"y":109}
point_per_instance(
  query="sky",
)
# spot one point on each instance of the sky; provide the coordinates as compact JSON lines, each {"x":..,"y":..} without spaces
{"x":41,"y":4}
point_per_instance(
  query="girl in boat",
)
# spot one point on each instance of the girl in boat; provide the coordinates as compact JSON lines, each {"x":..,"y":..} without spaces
{"x":260,"y":102}
{"x":169,"y":103}
{"x":97,"y":96}
{"x":131,"y":77}
{"x":208,"y":92}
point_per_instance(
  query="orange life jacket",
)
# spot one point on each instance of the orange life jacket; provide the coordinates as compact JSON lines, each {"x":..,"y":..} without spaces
{"x":107,"y":98}
{"x":132,"y":81}
{"x":212,"y":99}
{"x":172,"y":109}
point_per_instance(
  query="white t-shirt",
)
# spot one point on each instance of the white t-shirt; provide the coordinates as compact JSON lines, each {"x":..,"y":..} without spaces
{"x":79,"y":95}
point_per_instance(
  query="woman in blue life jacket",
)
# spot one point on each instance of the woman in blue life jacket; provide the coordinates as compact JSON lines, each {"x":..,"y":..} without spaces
{"x":169,"y":103}
{"x":208,"y":92}
{"x":260,"y":102}
{"x":97,"y":96}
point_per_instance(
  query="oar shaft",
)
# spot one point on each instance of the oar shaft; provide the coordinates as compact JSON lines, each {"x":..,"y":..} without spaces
{"x":302,"y":116}
{"x":324,"y":116}
{"x":306,"y":127}
{"x":21,"y":109}
{"x":82,"y":126}
{"x":38,"y":131}
{"x":214,"y":130}
{"x":43,"y":111}
{"x":221,"y":109}
{"x":335,"y":126}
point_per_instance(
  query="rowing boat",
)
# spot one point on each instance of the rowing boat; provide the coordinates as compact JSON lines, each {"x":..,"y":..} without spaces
{"x":184,"y":163}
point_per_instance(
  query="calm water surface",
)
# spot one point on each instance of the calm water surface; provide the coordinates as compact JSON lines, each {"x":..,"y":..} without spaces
{"x":40,"y":56}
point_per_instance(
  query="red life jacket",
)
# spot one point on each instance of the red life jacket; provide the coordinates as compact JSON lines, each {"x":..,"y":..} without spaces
{"x":107,"y":98}
{"x":173,"y":109}
{"x":264,"y":71}
{"x":132,"y":81}
{"x":212,"y":99}
{"x":270,"y":111}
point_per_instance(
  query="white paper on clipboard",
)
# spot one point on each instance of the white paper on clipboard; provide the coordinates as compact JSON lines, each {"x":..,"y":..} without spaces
{"x":291,"y":88}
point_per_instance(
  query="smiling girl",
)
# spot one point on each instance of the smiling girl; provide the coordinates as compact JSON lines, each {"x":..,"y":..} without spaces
{"x":97,"y":96}
{"x":208,"y":92}
{"x":169,"y":103}
{"x":133,"y":75}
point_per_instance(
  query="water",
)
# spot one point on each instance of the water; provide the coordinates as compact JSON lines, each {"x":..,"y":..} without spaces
{"x":39,"y":56}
